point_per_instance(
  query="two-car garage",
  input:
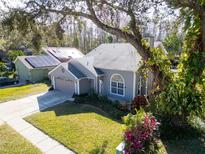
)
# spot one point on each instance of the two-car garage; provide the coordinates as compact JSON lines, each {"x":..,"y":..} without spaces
{"x":70,"y":80}
{"x":66,"y":86}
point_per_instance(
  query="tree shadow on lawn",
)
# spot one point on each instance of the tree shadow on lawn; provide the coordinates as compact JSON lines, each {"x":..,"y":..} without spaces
{"x":69,"y":108}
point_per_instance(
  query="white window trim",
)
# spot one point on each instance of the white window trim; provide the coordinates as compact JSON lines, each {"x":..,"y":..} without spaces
{"x":117,"y":85}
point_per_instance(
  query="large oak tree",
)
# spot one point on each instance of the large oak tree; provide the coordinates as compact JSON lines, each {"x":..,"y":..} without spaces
{"x":123,"y":18}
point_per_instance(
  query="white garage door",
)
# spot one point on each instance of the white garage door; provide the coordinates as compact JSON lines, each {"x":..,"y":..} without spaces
{"x":65,"y":86}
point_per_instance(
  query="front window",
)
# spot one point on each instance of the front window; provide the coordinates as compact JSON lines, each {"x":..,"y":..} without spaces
{"x":117,"y":85}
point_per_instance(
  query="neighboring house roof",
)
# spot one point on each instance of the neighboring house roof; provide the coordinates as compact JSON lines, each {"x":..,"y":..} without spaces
{"x":32,"y":62}
{"x":63,"y":54}
{"x":23,"y":60}
{"x":42,"y":61}
{"x":116,"y":56}
{"x":158,"y":44}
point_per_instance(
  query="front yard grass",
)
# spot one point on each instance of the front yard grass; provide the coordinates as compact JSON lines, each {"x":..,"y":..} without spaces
{"x":12,"y":143}
{"x":13,"y":93}
{"x":80,"y":127}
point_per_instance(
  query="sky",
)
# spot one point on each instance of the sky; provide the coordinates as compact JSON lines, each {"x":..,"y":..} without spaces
{"x":11,"y":3}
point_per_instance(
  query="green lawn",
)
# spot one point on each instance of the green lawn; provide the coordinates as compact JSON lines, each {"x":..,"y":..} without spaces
{"x":13,"y":93}
{"x":13,"y":143}
{"x":82,"y":128}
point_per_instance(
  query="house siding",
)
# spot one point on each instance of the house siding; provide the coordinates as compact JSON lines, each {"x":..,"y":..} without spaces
{"x":87,"y":73}
{"x":23,"y":72}
{"x":31,"y":75}
{"x":39,"y":74}
{"x":58,"y":73}
{"x":86,"y":85}
{"x":128,"y":79}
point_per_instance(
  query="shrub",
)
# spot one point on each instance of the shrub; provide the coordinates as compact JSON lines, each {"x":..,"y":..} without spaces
{"x":141,"y":133}
{"x":178,"y":102}
{"x":110,"y":107}
{"x":138,"y":102}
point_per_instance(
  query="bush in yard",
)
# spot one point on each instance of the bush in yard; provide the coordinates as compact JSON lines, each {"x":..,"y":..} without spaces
{"x":138,"y":102}
{"x":141,"y":133}
{"x":110,"y":107}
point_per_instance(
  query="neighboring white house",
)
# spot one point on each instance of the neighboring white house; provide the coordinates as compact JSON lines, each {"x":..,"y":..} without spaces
{"x":110,"y":69}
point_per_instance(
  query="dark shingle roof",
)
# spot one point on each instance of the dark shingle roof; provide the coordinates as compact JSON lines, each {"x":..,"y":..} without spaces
{"x":75,"y":71}
{"x":99,"y":72}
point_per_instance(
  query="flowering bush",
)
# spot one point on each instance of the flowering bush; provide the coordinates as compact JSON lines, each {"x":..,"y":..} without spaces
{"x":141,"y":133}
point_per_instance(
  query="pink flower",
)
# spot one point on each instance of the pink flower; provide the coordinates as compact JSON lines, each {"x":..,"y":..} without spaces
{"x":127,"y":151}
{"x":137,"y":144}
{"x":128,"y":135}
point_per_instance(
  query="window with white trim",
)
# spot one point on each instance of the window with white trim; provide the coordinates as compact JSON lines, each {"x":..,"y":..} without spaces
{"x":117,"y":85}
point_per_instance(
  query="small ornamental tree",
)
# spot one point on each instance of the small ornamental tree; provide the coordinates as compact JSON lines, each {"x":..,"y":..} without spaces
{"x":141,"y":133}
{"x":13,"y":54}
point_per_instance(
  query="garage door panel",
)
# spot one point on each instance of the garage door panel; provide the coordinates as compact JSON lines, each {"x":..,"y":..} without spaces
{"x":66,"y":86}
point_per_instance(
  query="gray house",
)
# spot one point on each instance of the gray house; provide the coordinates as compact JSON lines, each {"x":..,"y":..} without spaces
{"x":110,"y":69}
{"x":36,"y":68}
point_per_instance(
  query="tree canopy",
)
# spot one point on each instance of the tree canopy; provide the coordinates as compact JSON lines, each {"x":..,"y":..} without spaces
{"x":127,"y":19}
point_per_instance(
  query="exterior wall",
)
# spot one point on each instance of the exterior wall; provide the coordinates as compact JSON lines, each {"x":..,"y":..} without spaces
{"x":88,"y":73}
{"x":59,"y":73}
{"x":128,"y":79}
{"x":40,"y":74}
{"x":22,"y":71}
{"x":86,"y":85}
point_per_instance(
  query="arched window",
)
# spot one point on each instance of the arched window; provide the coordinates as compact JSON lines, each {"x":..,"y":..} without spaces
{"x":117,"y":85}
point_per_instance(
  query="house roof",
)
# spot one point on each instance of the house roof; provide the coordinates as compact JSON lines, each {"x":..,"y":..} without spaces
{"x":75,"y":71}
{"x":88,"y":63}
{"x":117,"y":56}
{"x":42,"y":61}
{"x":63,"y":54}
{"x":23,"y":60}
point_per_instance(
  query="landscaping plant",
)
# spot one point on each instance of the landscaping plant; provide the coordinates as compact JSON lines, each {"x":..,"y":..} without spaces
{"x":141,"y":133}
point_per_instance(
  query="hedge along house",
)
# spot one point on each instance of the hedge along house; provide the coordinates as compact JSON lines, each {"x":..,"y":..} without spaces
{"x":111,"y":70}
{"x":34,"y":68}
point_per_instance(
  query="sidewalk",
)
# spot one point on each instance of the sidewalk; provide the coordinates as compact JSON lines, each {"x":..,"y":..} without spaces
{"x":13,"y":112}
{"x":46,"y":144}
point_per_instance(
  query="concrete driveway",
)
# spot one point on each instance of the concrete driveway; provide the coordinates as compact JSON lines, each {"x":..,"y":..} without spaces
{"x":28,"y":105}
{"x":13,"y":112}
